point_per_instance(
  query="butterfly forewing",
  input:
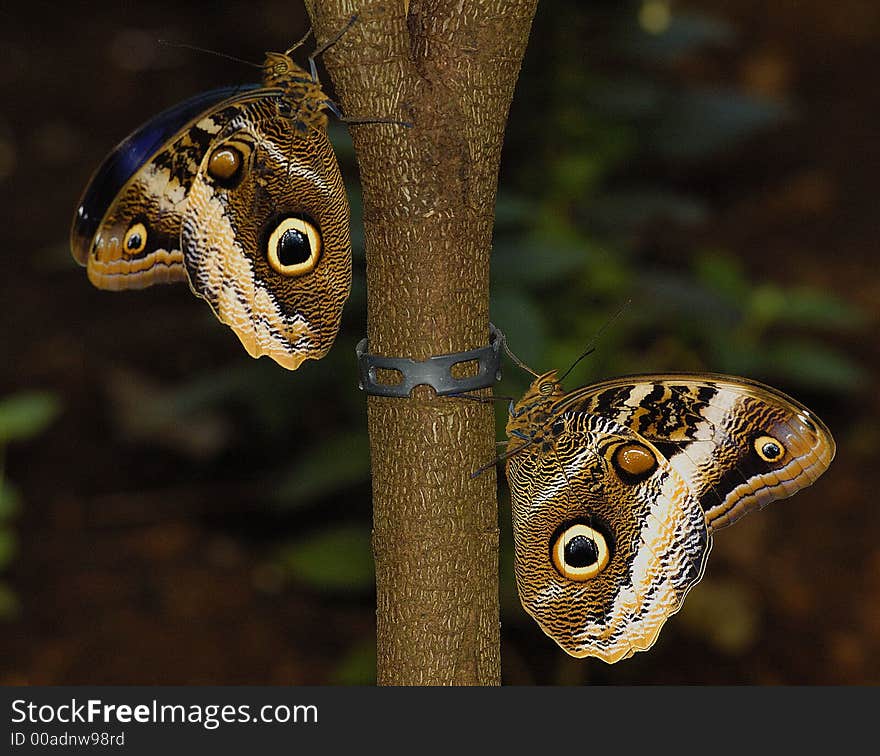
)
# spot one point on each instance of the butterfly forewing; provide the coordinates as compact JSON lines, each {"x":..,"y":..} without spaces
{"x":714,"y":430}
{"x":233,"y":226}
{"x":143,"y":181}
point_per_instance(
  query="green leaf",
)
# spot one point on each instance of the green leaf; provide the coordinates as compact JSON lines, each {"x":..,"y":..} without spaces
{"x":10,"y":500}
{"x":537,"y":260}
{"x":737,"y":356}
{"x":684,"y":305}
{"x":338,"y":559}
{"x":512,"y":210}
{"x":336,"y":463}
{"x":26,"y":414}
{"x":625,"y":210}
{"x":686,"y":33}
{"x":8,"y":547}
{"x":624,"y":96}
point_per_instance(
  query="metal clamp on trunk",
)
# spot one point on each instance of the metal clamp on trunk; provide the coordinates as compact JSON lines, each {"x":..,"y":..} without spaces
{"x":435,"y":372}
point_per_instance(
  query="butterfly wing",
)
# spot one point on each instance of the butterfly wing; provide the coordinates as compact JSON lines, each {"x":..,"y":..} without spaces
{"x":201,"y":193}
{"x":738,"y":443}
{"x":126,"y":229}
{"x":608,"y":537}
{"x":266,"y":235}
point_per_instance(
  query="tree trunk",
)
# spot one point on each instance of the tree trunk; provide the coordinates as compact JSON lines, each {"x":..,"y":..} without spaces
{"x":449,"y":68}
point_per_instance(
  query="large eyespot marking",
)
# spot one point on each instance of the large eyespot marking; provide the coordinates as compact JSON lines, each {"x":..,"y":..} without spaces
{"x":135,"y":240}
{"x":226,"y":166}
{"x":769,"y":449}
{"x":294,"y":246}
{"x":579,"y":552}
{"x":634,"y":462}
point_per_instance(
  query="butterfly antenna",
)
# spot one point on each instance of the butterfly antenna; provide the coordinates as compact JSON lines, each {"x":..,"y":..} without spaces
{"x":591,"y":345}
{"x":298,"y":43}
{"x":333,"y":40}
{"x":571,"y":367}
{"x":196,"y":48}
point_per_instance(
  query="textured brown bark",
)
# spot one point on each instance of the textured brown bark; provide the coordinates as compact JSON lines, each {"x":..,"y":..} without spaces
{"x":449,"y":68}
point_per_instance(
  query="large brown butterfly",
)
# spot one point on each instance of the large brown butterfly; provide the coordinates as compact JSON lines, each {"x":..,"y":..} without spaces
{"x":618,"y":488}
{"x":238,"y":192}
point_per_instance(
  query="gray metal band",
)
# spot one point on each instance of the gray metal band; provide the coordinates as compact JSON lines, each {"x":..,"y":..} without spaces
{"x":434,"y":371}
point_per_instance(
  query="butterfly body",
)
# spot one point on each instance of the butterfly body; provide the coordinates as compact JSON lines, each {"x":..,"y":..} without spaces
{"x":238,"y":192}
{"x":618,"y":488}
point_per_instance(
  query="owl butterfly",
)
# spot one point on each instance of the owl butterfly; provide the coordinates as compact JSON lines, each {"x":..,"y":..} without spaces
{"x":238,"y":192}
{"x":618,"y":489}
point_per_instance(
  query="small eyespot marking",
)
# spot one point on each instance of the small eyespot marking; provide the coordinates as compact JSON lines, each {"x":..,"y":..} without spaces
{"x":135,"y":240}
{"x":769,"y":449}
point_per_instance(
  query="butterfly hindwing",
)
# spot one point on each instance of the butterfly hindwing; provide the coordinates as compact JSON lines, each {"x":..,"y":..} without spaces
{"x":266,"y":236}
{"x":649,"y":527}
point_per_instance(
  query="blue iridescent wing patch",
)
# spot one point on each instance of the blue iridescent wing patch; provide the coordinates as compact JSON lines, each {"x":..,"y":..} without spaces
{"x":131,"y":155}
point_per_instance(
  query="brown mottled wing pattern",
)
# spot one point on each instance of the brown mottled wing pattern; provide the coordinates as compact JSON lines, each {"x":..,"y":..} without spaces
{"x":155,"y":196}
{"x":237,"y":191}
{"x":655,"y":529}
{"x":226,"y":229}
{"x":618,"y":488}
{"x":714,"y":431}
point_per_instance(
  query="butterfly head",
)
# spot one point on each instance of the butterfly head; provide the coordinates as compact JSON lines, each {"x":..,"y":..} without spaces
{"x":545,"y":387}
{"x":544,"y":390}
{"x":304,"y":102}
{"x":279,"y":70}
{"x":529,"y":416}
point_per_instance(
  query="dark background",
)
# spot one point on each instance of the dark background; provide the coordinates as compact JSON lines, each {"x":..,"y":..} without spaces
{"x":174,"y":512}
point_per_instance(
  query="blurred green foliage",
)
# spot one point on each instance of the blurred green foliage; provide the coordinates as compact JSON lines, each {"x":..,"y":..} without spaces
{"x":25,"y":415}
{"x":22,"y":416}
{"x":600,"y":129}
{"x":338,"y":558}
{"x":608,"y":125}
{"x":358,"y":666}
